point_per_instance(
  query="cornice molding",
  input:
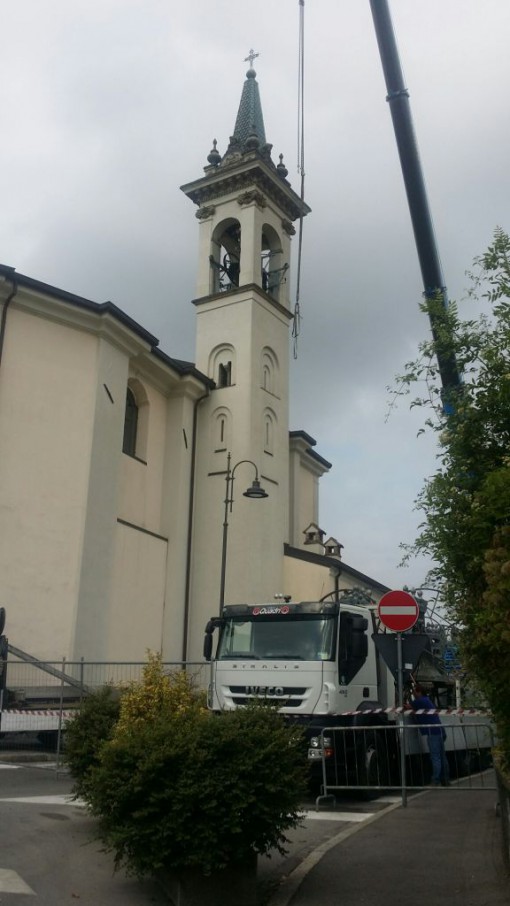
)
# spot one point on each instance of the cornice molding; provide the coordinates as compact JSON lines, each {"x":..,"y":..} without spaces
{"x":249,"y":172}
{"x":245,"y":293}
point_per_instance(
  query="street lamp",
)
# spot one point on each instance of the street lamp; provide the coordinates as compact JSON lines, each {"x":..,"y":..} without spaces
{"x":254,"y":492}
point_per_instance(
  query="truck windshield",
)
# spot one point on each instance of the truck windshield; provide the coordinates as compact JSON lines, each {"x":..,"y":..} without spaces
{"x":293,"y":637}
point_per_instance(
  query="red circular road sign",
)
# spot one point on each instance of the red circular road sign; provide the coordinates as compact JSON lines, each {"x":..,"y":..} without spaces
{"x":398,"y":611}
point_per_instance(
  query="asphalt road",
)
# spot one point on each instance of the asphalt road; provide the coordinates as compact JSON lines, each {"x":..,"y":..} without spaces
{"x":48,"y":855}
{"x":48,"y":850}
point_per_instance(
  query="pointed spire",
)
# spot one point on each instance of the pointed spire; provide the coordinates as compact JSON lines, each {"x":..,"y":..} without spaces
{"x":250,"y":122}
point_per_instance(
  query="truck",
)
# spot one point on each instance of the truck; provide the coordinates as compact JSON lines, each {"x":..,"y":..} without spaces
{"x":319,"y":663}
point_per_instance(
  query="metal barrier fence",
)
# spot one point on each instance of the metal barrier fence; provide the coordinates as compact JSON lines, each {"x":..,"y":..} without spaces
{"x":370,"y":757}
{"x":39,"y":696}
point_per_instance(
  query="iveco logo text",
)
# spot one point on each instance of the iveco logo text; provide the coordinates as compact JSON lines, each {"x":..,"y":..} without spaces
{"x":264,"y":690}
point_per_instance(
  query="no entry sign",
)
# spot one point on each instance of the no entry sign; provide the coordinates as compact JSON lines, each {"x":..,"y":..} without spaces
{"x":398,"y":611}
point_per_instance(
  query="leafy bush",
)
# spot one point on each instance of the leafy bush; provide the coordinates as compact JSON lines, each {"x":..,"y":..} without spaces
{"x":158,"y":693}
{"x":87,"y":731}
{"x":488,"y":642}
{"x":198,"y":790}
{"x":174,"y":786}
{"x":114,"y":710}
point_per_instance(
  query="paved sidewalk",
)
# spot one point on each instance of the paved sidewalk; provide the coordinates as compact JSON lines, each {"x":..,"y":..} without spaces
{"x":445,"y":847}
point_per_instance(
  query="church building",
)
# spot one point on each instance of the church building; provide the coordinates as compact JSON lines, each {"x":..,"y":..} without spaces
{"x":139,"y":492}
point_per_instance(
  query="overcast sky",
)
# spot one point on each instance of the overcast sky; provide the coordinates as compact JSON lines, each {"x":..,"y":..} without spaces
{"x":108,"y":106}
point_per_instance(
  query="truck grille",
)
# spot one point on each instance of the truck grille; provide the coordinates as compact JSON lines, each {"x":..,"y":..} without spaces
{"x":286,"y":696}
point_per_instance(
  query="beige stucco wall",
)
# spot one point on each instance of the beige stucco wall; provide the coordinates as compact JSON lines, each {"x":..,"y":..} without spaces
{"x":306,"y":581}
{"x":306,"y":508}
{"x":305,"y":470}
{"x":90,"y":631}
{"x":135,"y":614}
{"x":47,"y":398}
{"x":75,"y":580}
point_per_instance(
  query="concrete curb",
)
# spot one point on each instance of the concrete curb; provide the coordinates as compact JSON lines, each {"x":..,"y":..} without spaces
{"x":13,"y":757}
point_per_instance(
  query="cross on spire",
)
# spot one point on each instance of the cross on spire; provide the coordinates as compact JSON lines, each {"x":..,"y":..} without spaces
{"x":251,"y":57}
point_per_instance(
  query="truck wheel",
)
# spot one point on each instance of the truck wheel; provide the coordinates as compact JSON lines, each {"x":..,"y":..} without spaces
{"x":374,"y":762}
{"x":48,"y":739}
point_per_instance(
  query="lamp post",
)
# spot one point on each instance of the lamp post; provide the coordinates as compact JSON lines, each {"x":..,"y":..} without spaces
{"x":254,"y":492}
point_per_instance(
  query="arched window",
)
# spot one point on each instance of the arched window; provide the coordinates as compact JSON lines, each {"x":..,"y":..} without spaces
{"x":224,"y":374}
{"x":130,"y":424}
{"x":136,"y":420}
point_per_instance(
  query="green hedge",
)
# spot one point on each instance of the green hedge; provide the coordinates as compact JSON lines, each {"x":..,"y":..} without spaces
{"x":86,"y":733}
{"x":184,"y":787}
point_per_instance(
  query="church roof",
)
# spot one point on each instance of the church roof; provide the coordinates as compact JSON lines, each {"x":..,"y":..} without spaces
{"x":250,"y":120}
{"x":21,"y":281}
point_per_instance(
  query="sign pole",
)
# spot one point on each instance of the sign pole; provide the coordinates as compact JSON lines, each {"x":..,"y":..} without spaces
{"x":401,"y":731}
{"x":398,"y":611}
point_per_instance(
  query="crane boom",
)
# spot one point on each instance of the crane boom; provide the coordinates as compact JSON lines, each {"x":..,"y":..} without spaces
{"x":398,"y":99}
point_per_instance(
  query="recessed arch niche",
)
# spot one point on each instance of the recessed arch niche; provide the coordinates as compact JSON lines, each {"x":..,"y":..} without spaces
{"x":221,"y":429}
{"x":269,"y":371}
{"x":269,"y":430}
{"x":222,"y":365}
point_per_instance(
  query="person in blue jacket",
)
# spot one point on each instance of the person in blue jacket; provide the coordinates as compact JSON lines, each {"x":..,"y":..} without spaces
{"x":431,"y":727}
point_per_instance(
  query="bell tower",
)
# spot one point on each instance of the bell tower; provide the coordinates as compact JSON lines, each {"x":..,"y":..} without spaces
{"x":246,"y":211}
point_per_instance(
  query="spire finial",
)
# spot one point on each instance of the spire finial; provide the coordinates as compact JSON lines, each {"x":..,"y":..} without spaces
{"x":251,"y":57}
{"x":214,"y":156}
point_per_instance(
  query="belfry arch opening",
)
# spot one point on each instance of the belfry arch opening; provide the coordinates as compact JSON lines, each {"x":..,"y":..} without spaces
{"x":273,"y":268}
{"x":222,"y":365}
{"x":225,"y":257}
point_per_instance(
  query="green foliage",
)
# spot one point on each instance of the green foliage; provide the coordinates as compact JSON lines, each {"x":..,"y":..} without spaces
{"x":198,"y":790}
{"x":158,"y":693}
{"x":487,"y":644}
{"x":466,"y":503}
{"x":87,"y":731}
{"x":174,"y":786}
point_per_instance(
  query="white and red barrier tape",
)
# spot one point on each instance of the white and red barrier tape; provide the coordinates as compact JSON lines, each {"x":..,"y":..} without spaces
{"x":462,"y":712}
{"x":29,"y":713}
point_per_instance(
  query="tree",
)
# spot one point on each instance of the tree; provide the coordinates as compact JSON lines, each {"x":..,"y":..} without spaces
{"x":466,"y":502}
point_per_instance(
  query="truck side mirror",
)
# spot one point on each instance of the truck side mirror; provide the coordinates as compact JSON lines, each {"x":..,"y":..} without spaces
{"x":208,"y":645}
{"x":212,"y":624}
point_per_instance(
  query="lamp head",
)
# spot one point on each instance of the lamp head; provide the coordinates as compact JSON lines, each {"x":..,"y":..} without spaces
{"x":255,"y":491}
